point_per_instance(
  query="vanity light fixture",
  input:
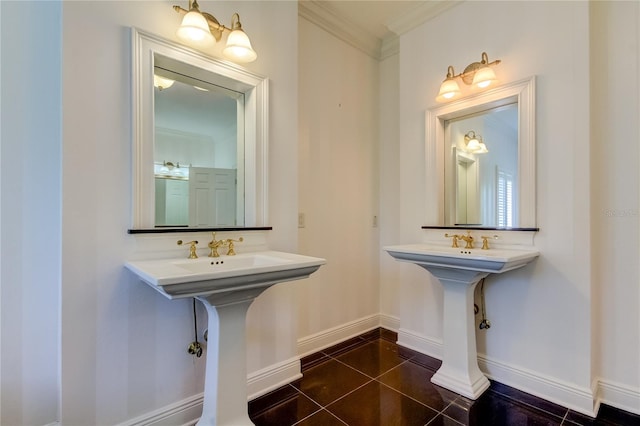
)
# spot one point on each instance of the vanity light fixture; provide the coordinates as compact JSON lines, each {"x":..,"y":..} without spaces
{"x":474,"y":144}
{"x":202,"y":28}
{"x":479,"y":74}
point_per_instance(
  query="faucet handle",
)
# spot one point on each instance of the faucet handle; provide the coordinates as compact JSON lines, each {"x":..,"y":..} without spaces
{"x":192,"y":248}
{"x":229,"y":241}
{"x":485,"y":241}
{"x":454,"y":240}
{"x":213,"y":245}
{"x":469,"y":239}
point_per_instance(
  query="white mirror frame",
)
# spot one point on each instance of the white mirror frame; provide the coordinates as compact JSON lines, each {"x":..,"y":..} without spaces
{"x":436,"y":117}
{"x":256,"y":130}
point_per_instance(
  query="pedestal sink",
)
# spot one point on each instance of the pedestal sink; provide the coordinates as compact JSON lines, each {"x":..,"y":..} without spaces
{"x":459,"y":270}
{"x":227,"y":286}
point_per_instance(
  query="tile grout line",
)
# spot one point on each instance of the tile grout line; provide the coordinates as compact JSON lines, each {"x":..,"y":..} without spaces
{"x":406,"y":360}
{"x":318,"y":411}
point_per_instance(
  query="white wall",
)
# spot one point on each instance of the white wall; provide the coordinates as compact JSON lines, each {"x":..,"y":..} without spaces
{"x":338,"y":184}
{"x":615,"y":121}
{"x":120,"y":348}
{"x":85,"y":343}
{"x":389,"y":196}
{"x":541,"y":337}
{"x":31,"y":211}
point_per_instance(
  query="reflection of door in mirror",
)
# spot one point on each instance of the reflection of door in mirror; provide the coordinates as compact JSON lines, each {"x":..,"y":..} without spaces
{"x":480,"y":185}
{"x":212,"y":196}
{"x":467,"y":190}
{"x":196,"y":152}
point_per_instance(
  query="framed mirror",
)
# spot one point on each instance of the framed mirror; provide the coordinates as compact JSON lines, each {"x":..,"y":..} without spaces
{"x":480,"y":157}
{"x":200,"y":140}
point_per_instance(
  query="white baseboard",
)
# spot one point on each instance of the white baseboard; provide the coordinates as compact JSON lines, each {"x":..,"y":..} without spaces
{"x":272,"y":377}
{"x":322,"y":340}
{"x":188,"y":411}
{"x":389,"y":322}
{"x":183,"y":413}
{"x":619,"y":396}
{"x":551,"y":389}
{"x":570,"y":395}
{"x":420,"y":343}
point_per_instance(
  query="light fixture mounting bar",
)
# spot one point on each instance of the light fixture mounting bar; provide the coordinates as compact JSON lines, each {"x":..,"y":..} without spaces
{"x":215,"y":26}
{"x":470,"y":70}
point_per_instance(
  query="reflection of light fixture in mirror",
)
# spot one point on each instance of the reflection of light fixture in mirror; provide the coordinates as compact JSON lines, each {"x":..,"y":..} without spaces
{"x":202,"y":89}
{"x":162,"y":83}
{"x":167,"y":169}
{"x":474,"y":144}
{"x":478,"y":74}
{"x":204,"y":27}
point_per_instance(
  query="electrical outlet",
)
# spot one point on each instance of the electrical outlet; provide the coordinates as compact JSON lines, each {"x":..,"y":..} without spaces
{"x":375,"y":221}
{"x":301,"y":220}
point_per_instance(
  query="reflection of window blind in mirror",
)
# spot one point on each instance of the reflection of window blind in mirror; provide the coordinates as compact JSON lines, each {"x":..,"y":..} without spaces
{"x":504,"y":200}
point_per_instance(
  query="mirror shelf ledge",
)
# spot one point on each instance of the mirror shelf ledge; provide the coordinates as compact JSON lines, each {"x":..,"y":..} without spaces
{"x":180,"y":230}
{"x":481,"y":228}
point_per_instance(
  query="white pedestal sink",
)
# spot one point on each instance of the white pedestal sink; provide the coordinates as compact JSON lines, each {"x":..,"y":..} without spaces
{"x":227,"y":286}
{"x":459,"y":270}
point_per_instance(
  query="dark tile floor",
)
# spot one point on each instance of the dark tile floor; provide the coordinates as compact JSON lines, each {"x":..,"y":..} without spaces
{"x":370,"y":380}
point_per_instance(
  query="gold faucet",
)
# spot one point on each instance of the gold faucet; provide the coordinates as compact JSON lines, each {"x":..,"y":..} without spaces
{"x":469,"y":239}
{"x":214,"y":244}
{"x":455,"y":238}
{"x":485,"y":241}
{"x":230,"y":242}
{"x":192,"y":248}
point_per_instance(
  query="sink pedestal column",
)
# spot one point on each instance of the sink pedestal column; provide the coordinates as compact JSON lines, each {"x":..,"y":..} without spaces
{"x":225,"y":386}
{"x":459,"y":371}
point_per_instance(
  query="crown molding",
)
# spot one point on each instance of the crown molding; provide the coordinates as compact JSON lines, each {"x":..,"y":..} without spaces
{"x":323,"y":16}
{"x":390,"y":46}
{"x":424,"y":12}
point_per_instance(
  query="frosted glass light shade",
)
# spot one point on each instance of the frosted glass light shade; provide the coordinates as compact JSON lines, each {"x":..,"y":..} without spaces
{"x":162,"y":82}
{"x":448,"y":90}
{"x":482,"y":149}
{"x":473,"y":145}
{"x":239,"y":47}
{"x":484,"y":77}
{"x":195,"y":28}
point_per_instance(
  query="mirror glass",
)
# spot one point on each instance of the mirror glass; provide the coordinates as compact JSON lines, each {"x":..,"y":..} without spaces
{"x":480,"y":160}
{"x":196,"y":152}
{"x":200,"y":140}
{"x":481,"y":171}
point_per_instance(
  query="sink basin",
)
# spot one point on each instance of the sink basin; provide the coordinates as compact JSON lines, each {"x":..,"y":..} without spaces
{"x":205,"y":276}
{"x":459,"y":270}
{"x":494,"y":261}
{"x":226,"y":285}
